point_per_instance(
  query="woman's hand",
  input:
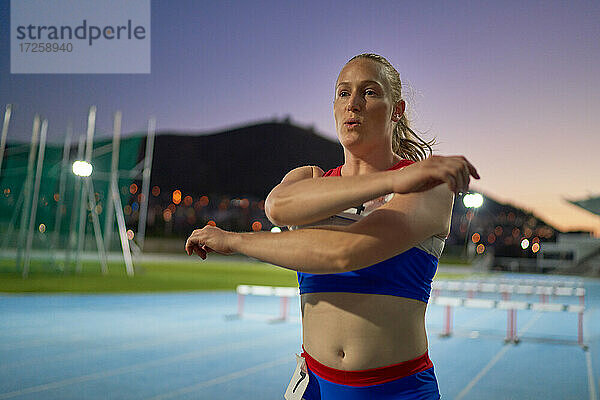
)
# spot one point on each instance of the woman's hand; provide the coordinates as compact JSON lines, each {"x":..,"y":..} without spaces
{"x":210,"y":238}
{"x":421,"y":176}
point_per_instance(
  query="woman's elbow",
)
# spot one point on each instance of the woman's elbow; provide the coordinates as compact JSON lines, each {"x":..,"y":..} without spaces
{"x":272,"y":212}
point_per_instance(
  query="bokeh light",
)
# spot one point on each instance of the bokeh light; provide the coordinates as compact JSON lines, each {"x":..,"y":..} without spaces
{"x":177,"y":196}
{"x":256,"y":226}
{"x":480,"y":248}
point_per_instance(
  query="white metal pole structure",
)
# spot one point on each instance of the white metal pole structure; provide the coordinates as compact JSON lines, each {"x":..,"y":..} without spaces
{"x":146,"y":182}
{"x":84,"y":192}
{"x":76,"y":190}
{"x":122,"y":229}
{"x":64,"y":165}
{"x":96,"y":222}
{"x":36,"y":194}
{"x":27,"y":190}
{"x":4,"y":133}
{"x":114,"y":177}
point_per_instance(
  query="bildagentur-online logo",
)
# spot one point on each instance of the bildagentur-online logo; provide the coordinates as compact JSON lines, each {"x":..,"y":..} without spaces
{"x":81,"y":32}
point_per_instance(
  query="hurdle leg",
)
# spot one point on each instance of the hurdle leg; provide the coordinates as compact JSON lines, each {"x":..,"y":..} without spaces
{"x":240,"y":305}
{"x":284,"y":308}
{"x":580,"y":330}
{"x":580,"y":324}
{"x":515,"y":338}
{"x":509,"y":326}
{"x":447,"y":322}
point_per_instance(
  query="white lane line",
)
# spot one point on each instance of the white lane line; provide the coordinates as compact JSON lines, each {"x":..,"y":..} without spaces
{"x":139,"y":366}
{"x":133,"y":345}
{"x":483,"y":372}
{"x":494,"y":360}
{"x":224,"y":378}
{"x":590,"y":375}
{"x":588,"y":356}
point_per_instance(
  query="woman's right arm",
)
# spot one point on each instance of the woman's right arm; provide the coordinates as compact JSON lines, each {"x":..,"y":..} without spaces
{"x":304,"y":196}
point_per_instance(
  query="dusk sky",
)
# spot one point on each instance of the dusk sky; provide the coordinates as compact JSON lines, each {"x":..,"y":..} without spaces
{"x":512,"y":85}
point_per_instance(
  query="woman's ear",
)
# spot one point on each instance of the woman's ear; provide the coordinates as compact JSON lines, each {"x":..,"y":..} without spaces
{"x":398,"y":110}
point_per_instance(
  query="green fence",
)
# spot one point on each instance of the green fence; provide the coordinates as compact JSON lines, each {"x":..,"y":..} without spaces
{"x":12,"y":184}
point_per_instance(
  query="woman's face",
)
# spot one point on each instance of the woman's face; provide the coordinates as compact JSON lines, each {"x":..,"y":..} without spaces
{"x":363,"y":105}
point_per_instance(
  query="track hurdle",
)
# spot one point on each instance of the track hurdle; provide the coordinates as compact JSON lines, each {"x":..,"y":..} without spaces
{"x":284,"y":293}
{"x":512,"y":307}
{"x":506,"y":290}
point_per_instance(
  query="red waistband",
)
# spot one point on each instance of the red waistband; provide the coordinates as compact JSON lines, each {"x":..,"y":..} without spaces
{"x":367,"y":377}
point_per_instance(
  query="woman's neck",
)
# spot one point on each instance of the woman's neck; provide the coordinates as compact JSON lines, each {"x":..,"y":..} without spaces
{"x":356,"y":164}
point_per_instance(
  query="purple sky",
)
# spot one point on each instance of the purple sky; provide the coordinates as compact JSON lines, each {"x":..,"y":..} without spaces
{"x":512,"y":85}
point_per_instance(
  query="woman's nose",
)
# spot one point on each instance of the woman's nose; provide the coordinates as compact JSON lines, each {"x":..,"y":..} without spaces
{"x":354,"y":103}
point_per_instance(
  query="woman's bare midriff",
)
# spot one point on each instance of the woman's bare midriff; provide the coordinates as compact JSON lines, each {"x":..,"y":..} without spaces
{"x":354,"y":331}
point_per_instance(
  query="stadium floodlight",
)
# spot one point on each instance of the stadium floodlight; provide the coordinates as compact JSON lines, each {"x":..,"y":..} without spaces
{"x":82,"y":168}
{"x":473,"y":200}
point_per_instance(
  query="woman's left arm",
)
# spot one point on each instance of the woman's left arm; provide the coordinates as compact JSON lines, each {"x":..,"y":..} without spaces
{"x":391,"y":229}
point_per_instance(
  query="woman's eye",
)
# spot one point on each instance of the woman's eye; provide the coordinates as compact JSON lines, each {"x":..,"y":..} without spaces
{"x":371,"y":92}
{"x":342,"y":93}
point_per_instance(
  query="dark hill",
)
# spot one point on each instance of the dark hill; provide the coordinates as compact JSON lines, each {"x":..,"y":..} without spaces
{"x":245,"y":161}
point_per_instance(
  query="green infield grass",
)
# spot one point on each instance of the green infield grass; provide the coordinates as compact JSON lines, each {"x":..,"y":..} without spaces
{"x":150,"y":276}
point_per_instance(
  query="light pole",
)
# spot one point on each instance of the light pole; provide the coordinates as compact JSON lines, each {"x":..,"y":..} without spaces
{"x":84,"y":169}
{"x":471,"y":200}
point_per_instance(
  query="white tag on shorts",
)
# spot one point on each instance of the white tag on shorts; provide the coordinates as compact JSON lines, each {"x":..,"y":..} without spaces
{"x":299,"y":381}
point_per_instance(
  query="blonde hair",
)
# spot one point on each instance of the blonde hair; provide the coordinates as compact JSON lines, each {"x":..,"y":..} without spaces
{"x":405,"y":142}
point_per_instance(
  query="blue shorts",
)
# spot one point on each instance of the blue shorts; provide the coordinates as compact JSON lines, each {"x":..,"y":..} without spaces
{"x":422,"y":386}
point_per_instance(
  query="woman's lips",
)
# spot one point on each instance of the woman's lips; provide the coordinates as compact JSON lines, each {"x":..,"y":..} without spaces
{"x":351,"y":124}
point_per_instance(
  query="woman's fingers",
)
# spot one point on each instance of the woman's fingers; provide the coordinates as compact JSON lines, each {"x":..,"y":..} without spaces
{"x":460,"y":179}
{"x":194,"y":246}
{"x":472,"y":170}
{"x":201,"y":253}
{"x":451,"y":183}
{"x":463,"y":174}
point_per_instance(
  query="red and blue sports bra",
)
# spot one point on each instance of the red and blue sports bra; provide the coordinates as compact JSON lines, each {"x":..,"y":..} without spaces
{"x":408,"y":274}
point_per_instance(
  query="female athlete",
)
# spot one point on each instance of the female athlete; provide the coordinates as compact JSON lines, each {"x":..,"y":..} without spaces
{"x":365,"y":239}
